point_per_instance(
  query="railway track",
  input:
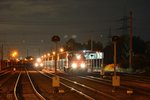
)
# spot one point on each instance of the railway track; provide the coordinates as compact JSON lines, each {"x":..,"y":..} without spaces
{"x":135,"y":78}
{"x":138,"y":89}
{"x":48,"y":91}
{"x":7,"y":83}
{"x":29,"y":84}
{"x":24,"y":88}
{"x":85,"y":90}
{"x":4,"y":73}
{"x":134,"y":82}
{"x":71,"y":88}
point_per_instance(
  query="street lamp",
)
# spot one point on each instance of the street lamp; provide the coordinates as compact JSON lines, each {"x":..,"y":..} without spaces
{"x":61,"y":50}
{"x":53,"y":52}
{"x":45,"y":60}
{"x":48,"y":57}
{"x":14,"y":54}
{"x":48,"y":54}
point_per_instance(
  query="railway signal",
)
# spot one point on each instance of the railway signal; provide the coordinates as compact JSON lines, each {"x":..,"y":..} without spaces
{"x":55,"y":81}
{"x":115,"y":78}
{"x":55,"y":39}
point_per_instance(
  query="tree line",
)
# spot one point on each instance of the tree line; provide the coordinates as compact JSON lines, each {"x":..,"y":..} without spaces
{"x":140,"y":51}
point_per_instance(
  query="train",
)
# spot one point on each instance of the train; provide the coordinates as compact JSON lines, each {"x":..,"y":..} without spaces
{"x":75,"y":62}
{"x":38,"y":64}
{"x":71,"y":61}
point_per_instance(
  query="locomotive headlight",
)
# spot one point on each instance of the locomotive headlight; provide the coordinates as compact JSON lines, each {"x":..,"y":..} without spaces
{"x":82,"y":65}
{"x":74,"y":65}
{"x":36,"y":64}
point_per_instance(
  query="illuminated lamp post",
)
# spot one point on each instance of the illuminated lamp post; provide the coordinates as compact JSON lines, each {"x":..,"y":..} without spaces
{"x":61,"y":51}
{"x":14,"y":55}
{"x":48,"y":55}
{"x":53,"y":59}
{"x":45,"y":61}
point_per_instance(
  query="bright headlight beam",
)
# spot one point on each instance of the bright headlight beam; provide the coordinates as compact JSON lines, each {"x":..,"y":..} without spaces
{"x":36,"y":64}
{"x":74,"y":65}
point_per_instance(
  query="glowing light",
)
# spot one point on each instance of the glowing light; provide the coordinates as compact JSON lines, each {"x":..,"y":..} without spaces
{"x":14,"y":53}
{"x":53,"y":53}
{"x":41,"y":64}
{"x":75,"y":82}
{"x":78,"y":57}
{"x":17,"y":60}
{"x":38,"y":60}
{"x":48,"y":54}
{"x":82,"y":65}
{"x":61,"y":49}
{"x":31,"y":58}
{"x":74,"y":65}
{"x":36,"y":64}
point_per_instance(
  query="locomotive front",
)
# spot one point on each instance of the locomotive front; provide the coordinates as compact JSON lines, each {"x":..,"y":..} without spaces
{"x":38,"y":64}
{"x":77,"y":62}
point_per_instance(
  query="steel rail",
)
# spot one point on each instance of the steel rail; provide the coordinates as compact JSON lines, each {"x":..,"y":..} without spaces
{"x":92,"y":89}
{"x":37,"y":93}
{"x":108,"y":82}
{"x":81,"y":93}
{"x":2,"y":74}
{"x":15,"y":94}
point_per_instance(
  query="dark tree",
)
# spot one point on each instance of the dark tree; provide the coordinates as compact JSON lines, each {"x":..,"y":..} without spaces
{"x":138,"y":46}
{"x":96,"y":46}
{"x":147,"y":50}
{"x":123,"y":52}
{"x":108,"y":54}
{"x":72,"y":45}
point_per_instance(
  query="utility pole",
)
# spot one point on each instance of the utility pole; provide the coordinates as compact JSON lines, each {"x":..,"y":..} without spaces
{"x":130,"y":51}
{"x":127,"y":29}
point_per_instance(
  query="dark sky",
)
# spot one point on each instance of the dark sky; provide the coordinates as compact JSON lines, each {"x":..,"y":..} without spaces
{"x":28,"y":25}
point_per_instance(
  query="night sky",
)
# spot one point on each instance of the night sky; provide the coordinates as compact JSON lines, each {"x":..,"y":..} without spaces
{"x":28,"y":25}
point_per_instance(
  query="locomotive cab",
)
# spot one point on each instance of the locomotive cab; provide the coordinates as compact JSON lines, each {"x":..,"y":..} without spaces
{"x":76,"y":62}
